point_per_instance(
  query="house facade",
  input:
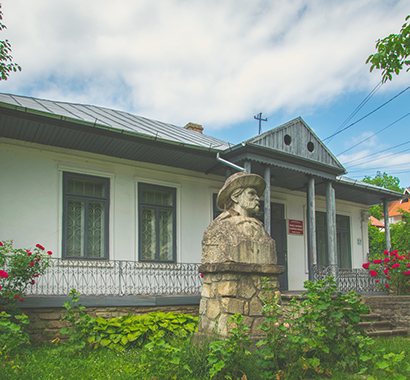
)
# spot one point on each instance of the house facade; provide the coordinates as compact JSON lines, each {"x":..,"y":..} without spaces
{"x":98,"y":186}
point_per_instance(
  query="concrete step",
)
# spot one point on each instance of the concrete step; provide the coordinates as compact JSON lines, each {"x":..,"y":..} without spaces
{"x":376,"y":325}
{"x":388,"y":333}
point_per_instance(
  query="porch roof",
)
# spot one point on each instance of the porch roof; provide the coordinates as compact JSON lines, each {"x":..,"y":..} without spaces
{"x":120,"y":134}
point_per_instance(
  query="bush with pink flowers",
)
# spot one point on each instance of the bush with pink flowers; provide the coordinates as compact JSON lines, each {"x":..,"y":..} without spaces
{"x":394,"y":271}
{"x":19,"y":268}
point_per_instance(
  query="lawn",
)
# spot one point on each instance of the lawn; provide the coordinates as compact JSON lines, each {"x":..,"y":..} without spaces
{"x":60,"y":361}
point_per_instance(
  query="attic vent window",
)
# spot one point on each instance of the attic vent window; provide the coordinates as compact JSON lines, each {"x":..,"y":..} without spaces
{"x":310,"y":146}
{"x":287,"y":139}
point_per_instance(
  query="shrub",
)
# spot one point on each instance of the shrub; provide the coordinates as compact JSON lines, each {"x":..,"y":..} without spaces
{"x":393,"y":269}
{"x":20,"y":269}
{"x":319,"y":331}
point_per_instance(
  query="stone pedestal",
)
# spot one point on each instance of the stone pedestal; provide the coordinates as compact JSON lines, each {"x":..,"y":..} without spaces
{"x":229,"y":288}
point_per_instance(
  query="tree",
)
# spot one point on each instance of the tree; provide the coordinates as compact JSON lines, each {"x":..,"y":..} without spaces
{"x":6,"y":60}
{"x":392,"y":53}
{"x":386,"y":181}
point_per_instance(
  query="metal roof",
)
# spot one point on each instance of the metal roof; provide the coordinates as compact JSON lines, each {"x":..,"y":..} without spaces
{"x":112,"y":119}
{"x":123,"y":135}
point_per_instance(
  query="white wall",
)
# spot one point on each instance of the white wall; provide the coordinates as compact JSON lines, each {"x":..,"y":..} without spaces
{"x":31,"y":204}
{"x":31,"y":198}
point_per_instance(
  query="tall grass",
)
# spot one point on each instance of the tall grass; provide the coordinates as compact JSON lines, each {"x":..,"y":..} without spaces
{"x":54,"y":362}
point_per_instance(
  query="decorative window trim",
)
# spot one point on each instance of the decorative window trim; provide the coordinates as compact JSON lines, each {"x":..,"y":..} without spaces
{"x":175,"y":219}
{"x":107,"y":210}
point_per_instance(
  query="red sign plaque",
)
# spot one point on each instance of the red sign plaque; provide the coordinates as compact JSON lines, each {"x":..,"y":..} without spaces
{"x":295,"y":227}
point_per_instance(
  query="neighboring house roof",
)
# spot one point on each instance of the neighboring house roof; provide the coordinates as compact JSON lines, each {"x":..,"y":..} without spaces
{"x":376,"y":222}
{"x":120,"y":134}
{"x":396,"y":207}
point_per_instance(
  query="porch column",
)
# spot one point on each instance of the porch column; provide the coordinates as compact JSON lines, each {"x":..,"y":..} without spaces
{"x":267,"y":209}
{"x":311,"y":211}
{"x":331,"y":229}
{"x":247,"y":166}
{"x":386,"y":224}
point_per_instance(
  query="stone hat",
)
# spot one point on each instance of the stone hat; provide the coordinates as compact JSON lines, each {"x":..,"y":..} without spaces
{"x":237,"y":181}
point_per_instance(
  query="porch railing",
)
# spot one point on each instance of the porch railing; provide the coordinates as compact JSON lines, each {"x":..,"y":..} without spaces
{"x":116,"y":277}
{"x":348,"y":279}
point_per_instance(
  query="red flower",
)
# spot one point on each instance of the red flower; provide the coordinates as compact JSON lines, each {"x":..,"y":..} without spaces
{"x":32,"y":282}
{"x":1,"y":244}
{"x":377,"y":280}
{"x":0,"y":287}
{"x":16,"y":296}
{"x":38,"y":259}
{"x":21,"y":299}
{"x":373,"y":273}
{"x":49,"y":252}
{"x":202,"y":275}
{"x":39,"y":246}
{"x":378,"y":261}
{"x":407,"y":273}
{"x":366,"y":265}
{"x":386,"y":253}
{"x":387,"y":286}
{"x":395,"y":252}
{"x":36,"y":275}
{"x":408,"y":265}
{"x":395,"y":265}
{"x":3,"y":274}
{"x":32,"y":264}
{"x":386,"y":271}
{"x":29,"y":253}
{"x":386,"y":260}
{"x":388,"y":277}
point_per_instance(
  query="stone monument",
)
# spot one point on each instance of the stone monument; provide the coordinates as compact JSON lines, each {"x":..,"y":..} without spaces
{"x":236,"y":253}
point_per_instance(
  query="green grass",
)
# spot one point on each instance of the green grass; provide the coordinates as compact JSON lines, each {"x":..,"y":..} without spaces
{"x":54,"y":362}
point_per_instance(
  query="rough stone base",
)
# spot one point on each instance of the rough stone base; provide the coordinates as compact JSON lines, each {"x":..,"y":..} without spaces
{"x":230,"y":288}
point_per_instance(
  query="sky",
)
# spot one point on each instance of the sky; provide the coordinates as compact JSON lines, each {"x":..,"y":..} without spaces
{"x":219,"y":63}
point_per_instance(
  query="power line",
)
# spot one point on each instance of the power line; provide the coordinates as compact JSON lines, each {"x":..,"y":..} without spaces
{"x":359,"y":107}
{"x":368,"y":138}
{"x":381,"y":151}
{"x":365,"y":116}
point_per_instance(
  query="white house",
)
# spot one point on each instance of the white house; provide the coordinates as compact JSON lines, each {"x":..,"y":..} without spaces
{"x":98,"y":186}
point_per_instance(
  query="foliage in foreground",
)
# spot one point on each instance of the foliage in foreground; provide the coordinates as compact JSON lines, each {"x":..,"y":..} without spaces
{"x":317,"y":338}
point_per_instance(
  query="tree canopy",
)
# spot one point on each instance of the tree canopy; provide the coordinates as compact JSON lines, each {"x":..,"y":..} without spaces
{"x":384,"y":180}
{"x":6,"y":60}
{"x":393,"y":53}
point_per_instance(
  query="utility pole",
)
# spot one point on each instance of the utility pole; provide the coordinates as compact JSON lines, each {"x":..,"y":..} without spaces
{"x":259,"y":117}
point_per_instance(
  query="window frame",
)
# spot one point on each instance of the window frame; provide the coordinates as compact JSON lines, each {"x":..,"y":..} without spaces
{"x":105,"y":198}
{"x":142,"y":186}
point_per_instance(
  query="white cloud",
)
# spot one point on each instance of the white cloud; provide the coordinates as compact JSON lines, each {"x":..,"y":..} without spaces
{"x":212,"y":62}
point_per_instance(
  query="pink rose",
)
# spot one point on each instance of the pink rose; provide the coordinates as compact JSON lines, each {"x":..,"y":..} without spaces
{"x":3,"y":274}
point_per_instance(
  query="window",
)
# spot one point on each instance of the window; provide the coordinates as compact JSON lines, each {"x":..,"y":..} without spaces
{"x":342,"y":240}
{"x":85,"y":216}
{"x":157,"y":223}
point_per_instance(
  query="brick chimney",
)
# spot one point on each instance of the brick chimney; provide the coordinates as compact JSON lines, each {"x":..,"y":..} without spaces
{"x":194,"y":127}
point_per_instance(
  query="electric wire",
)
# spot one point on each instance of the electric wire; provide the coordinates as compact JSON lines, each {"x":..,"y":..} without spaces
{"x":359,"y":107}
{"x":368,"y":138}
{"x":367,"y":115}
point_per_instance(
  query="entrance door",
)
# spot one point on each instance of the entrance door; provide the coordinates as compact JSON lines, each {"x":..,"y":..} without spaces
{"x":278,"y":233}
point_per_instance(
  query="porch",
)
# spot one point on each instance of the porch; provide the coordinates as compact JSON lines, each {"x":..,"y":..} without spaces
{"x":131,"y":278}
